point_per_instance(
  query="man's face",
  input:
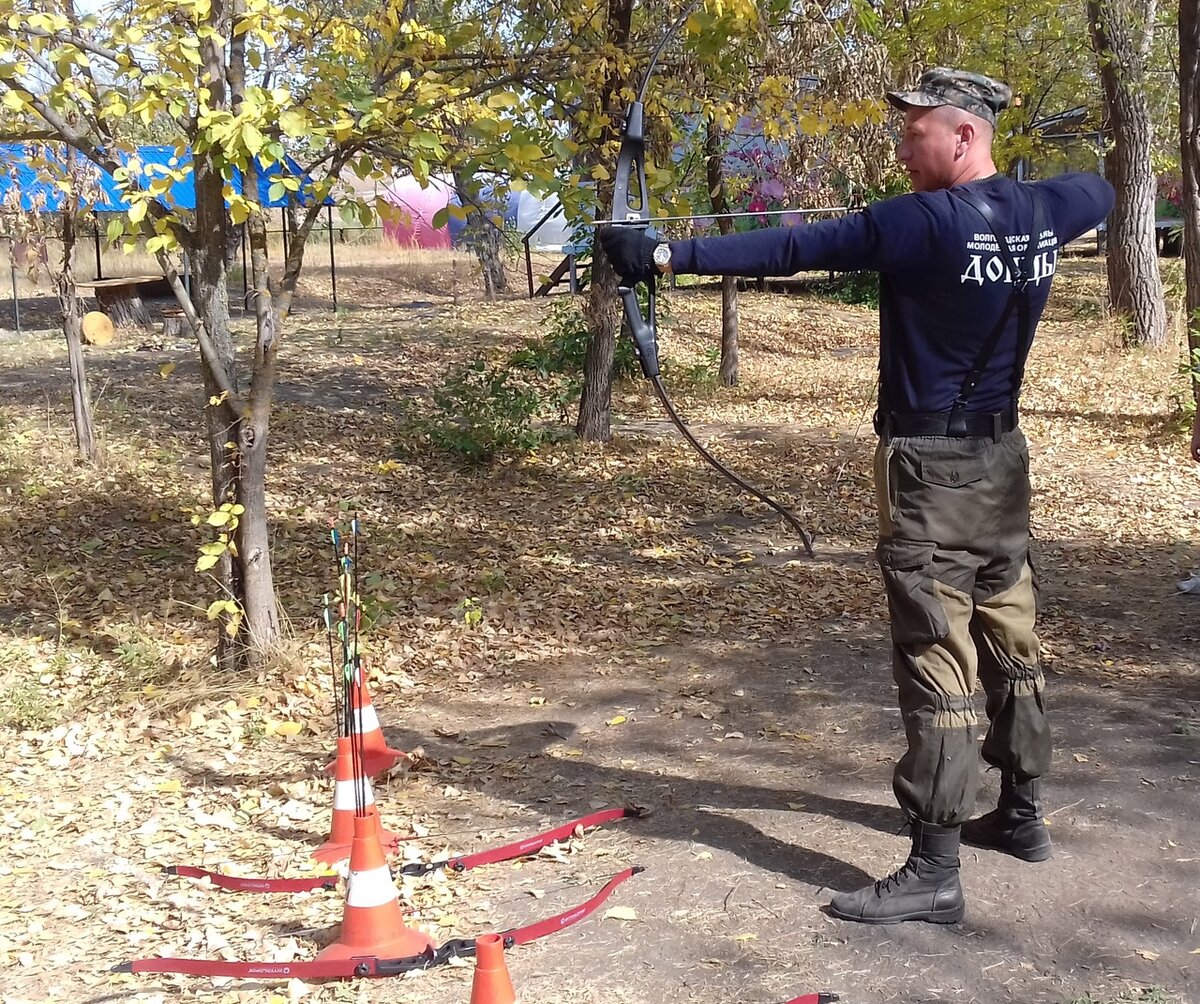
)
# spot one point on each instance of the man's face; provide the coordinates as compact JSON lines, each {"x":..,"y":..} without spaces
{"x":930,"y":148}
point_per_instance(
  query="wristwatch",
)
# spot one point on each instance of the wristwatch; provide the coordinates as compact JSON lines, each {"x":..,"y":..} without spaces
{"x":662,"y":257}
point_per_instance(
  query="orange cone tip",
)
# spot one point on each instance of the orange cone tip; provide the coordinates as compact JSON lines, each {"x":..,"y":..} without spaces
{"x":491,"y":983}
{"x":378,"y":756}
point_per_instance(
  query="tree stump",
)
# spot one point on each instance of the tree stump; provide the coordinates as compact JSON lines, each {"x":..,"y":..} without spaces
{"x":121,"y":297}
{"x":125,"y":306}
{"x":174,"y":323}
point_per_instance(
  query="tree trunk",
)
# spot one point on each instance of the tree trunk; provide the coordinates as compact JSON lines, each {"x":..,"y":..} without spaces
{"x":1189,"y":158}
{"x":1121,"y":32}
{"x":253,"y":532}
{"x":72,"y":315}
{"x":233,"y":244}
{"x":600,"y":307}
{"x":729,"y":331}
{"x":259,"y":606}
{"x":490,"y":251}
{"x":481,"y":234}
{"x":211,"y":300}
{"x":714,"y":150}
{"x":595,"y":401}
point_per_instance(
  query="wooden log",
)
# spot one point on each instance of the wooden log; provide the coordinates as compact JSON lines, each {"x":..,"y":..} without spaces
{"x":96,"y":328}
{"x":174,"y":324}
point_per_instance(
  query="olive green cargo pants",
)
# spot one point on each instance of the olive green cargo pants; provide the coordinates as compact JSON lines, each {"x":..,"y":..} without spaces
{"x":954,"y":552}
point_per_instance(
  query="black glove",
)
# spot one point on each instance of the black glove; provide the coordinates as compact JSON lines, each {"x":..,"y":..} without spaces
{"x":631,"y":252}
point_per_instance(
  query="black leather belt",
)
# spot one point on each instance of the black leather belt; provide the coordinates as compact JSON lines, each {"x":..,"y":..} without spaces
{"x":991,"y":424}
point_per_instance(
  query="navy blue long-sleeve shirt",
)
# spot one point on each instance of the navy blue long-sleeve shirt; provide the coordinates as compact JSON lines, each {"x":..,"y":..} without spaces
{"x":943,"y":284}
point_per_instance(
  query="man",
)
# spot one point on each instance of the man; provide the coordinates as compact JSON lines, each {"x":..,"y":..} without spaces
{"x":965,"y":266}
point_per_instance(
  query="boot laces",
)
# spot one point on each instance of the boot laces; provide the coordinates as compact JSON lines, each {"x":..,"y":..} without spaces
{"x":897,"y":878}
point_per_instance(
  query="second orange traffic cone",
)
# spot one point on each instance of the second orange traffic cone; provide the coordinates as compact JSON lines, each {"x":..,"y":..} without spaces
{"x":372,"y":923}
{"x":491,"y":983}
{"x":378,"y":756}
{"x":341,"y":827}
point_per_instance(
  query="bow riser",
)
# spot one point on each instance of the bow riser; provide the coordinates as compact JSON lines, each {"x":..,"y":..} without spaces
{"x":631,"y":166}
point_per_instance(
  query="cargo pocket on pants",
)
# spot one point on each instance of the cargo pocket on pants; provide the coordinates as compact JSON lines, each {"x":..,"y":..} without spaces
{"x":916,"y":612}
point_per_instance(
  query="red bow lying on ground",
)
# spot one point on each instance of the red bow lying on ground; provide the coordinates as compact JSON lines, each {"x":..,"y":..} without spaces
{"x":517,"y":849}
{"x":372,"y":966}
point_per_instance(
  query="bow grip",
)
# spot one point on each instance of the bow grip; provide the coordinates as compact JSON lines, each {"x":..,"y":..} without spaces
{"x":644,"y":341}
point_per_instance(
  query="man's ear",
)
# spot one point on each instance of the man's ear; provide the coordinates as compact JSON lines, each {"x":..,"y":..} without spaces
{"x":967,"y":133}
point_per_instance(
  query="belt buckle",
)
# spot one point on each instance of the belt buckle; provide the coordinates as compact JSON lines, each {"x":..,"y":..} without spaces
{"x":997,"y":426}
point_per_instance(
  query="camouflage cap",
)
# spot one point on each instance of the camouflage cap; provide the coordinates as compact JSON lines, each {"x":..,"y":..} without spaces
{"x":973,"y":92}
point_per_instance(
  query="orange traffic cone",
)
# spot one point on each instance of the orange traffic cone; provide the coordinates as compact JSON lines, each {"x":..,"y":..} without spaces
{"x":341,"y":827}
{"x":378,"y":756}
{"x":491,"y":984}
{"x":372,"y":923}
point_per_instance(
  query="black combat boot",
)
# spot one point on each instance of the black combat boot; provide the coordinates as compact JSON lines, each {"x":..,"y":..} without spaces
{"x":925,"y":888}
{"x":1015,"y":826}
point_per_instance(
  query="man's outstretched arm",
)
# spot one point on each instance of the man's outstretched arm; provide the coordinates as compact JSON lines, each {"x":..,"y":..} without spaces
{"x":849,"y":243}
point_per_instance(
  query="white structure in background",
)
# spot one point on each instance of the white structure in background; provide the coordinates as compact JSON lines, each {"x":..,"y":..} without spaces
{"x":530,"y":210}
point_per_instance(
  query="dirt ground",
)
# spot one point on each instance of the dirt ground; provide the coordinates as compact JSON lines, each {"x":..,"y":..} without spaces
{"x":649,"y":637}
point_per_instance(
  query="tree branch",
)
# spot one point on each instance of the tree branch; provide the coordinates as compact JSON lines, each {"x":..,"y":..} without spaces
{"x":119,"y":59}
{"x":207,"y":349}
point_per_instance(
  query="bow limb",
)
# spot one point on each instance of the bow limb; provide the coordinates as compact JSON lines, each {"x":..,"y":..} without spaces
{"x":805,"y":536}
{"x":531,"y":932}
{"x":519,"y":848}
{"x":372,"y":965}
{"x":516,"y":849}
{"x":238,"y":883}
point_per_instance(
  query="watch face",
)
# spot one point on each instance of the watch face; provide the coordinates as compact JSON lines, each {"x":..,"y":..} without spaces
{"x":662,"y":254}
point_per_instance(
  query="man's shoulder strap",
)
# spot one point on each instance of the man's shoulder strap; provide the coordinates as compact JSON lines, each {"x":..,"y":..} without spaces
{"x":1018,"y":300}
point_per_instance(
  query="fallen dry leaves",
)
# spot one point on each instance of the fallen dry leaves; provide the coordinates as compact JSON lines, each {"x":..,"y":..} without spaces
{"x":125,"y":752}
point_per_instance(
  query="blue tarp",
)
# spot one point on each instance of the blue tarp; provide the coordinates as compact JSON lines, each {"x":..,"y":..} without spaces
{"x":17,"y":172}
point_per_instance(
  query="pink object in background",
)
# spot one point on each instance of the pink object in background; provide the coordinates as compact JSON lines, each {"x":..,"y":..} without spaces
{"x":416,"y":208}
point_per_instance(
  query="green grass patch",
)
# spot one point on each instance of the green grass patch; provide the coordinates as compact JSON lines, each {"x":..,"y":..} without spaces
{"x":25,"y":705}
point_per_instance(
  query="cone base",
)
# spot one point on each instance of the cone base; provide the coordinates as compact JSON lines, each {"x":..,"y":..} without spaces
{"x":335,"y":849}
{"x":375,"y":761}
{"x":379,"y":929}
{"x":384,"y":945}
